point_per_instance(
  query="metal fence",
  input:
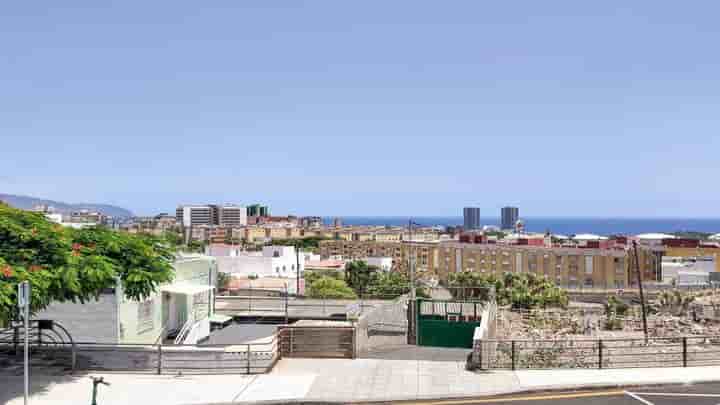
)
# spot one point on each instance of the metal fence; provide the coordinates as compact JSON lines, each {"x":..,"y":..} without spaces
{"x":246,"y":358}
{"x":317,"y":342}
{"x":597,"y":353}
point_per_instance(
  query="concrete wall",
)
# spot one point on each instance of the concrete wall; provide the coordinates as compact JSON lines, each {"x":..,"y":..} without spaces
{"x":131,"y":329}
{"x":483,"y":346}
{"x":94,"y":321}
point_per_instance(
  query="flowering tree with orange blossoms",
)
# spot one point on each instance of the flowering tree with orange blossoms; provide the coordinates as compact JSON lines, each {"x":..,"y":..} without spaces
{"x":65,"y":264}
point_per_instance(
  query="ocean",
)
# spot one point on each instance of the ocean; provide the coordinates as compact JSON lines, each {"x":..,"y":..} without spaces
{"x":564,"y":226}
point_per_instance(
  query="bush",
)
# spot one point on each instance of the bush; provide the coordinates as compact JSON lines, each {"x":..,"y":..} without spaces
{"x":326,"y":287}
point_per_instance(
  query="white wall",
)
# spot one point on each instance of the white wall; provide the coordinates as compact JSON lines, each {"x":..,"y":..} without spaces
{"x":383,"y":263}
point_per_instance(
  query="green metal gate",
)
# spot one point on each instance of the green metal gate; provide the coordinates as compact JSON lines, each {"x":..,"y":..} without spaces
{"x":447,"y":323}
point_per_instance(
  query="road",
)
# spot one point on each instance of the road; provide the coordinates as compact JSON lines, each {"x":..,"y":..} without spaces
{"x":698,"y":394}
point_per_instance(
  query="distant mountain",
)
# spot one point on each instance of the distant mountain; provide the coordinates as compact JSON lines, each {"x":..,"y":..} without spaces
{"x":26,"y":203}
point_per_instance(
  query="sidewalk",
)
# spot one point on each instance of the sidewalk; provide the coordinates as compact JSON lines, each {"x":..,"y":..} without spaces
{"x":382,"y":380}
{"x":337,"y":380}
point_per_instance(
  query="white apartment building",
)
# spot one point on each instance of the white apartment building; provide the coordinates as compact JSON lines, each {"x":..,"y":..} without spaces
{"x":224,"y":215}
{"x":192,"y":215}
{"x":273,"y":261}
{"x":231,"y":215}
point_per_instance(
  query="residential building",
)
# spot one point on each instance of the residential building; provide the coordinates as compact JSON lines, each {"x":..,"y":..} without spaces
{"x":272,"y":261}
{"x":471,"y":218}
{"x":703,"y":255}
{"x":113,"y":318}
{"x":192,"y":215}
{"x":567,"y":267}
{"x":574,"y":266}
{"x":508,"y":217}
{"x":382,"y":263}
{"x":85,"y":216}
{"x":311,"y":222}
{"x":255,"y":235}
{"x":423,"y":253}
{"x":212,"y":214}
{"x":231,"y":215}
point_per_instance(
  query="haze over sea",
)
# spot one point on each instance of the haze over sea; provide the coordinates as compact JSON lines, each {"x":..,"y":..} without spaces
{"x":565,"y":226}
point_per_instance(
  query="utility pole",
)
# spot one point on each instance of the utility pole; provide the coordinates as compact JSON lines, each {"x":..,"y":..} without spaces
{"x":411,"y":273}
{"x":297,"y":269}
{"x":642,"y":295}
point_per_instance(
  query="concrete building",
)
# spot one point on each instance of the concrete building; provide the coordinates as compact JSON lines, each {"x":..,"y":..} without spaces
{"x":211,"y":214}
{"x":509,"y":217}
{"x":257,"y":210}
{"x":382,"y":263}
{"x":568,"y":266}
{"x":471,"y":218}
{"x":193,"y":215}
{"x":230,"y":215}
{"x":272,"y":261}
{"x":113,"y":318}
{"x":423,"y":253}
{"x":311,"y":222}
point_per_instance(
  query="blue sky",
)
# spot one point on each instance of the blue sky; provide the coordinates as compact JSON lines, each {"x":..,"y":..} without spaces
{"x":564,"y":108}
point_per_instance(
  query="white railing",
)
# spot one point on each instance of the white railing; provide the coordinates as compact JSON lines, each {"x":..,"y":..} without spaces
{"x":184,"y":331}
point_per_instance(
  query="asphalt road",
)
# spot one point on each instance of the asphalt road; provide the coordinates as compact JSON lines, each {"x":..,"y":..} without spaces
{"x":698,"y":394}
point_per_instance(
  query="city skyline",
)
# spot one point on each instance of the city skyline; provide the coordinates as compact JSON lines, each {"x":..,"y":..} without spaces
{"x":337,"y":110}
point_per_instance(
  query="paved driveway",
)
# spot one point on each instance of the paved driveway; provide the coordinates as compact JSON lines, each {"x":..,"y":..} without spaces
{"x":423,"y":353}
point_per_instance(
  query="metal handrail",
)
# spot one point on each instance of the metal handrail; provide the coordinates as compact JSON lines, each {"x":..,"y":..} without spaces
{"x":184,"y":331}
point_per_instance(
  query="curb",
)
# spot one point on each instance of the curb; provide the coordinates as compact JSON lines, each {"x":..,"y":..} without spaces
{"x":499,"y":395}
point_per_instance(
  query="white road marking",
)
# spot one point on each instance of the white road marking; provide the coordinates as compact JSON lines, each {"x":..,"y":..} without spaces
{"x":630,"y":394}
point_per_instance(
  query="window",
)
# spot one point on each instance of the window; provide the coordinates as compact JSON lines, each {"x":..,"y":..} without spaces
{"x":277,"y":269}
{"x":276,"y":254}
{"x":292,"y":267}
{"x":284,"y":269}
{"x":532,"y":262}
{"x":201,"y":305}
{"x":588,"y":283}
{"x":146,"y":319}
{"x":588,"y":264}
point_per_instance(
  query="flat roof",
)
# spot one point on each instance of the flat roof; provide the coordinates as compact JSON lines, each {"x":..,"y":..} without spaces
{"x":185,"y":288}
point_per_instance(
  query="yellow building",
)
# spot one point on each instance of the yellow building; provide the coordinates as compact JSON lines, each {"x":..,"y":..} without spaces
{"x":255,"y":234}
{"x":424,"y":253}
{"x":695,"y":252}
{"x":567,"y":267}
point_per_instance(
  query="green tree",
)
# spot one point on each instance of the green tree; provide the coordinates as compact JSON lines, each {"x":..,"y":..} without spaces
{"x":223,"y":280}
{"x":309,"y":243}
{"x":311,"y":275}
{"x":327,"y":287}
{"x":65,"y":264}
{"x":173,"y":239}
{"x":358,"y":275}
{"x":520,"y":290}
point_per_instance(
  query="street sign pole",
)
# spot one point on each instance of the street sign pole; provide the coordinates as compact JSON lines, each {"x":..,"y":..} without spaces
{"x":24,"y":304}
